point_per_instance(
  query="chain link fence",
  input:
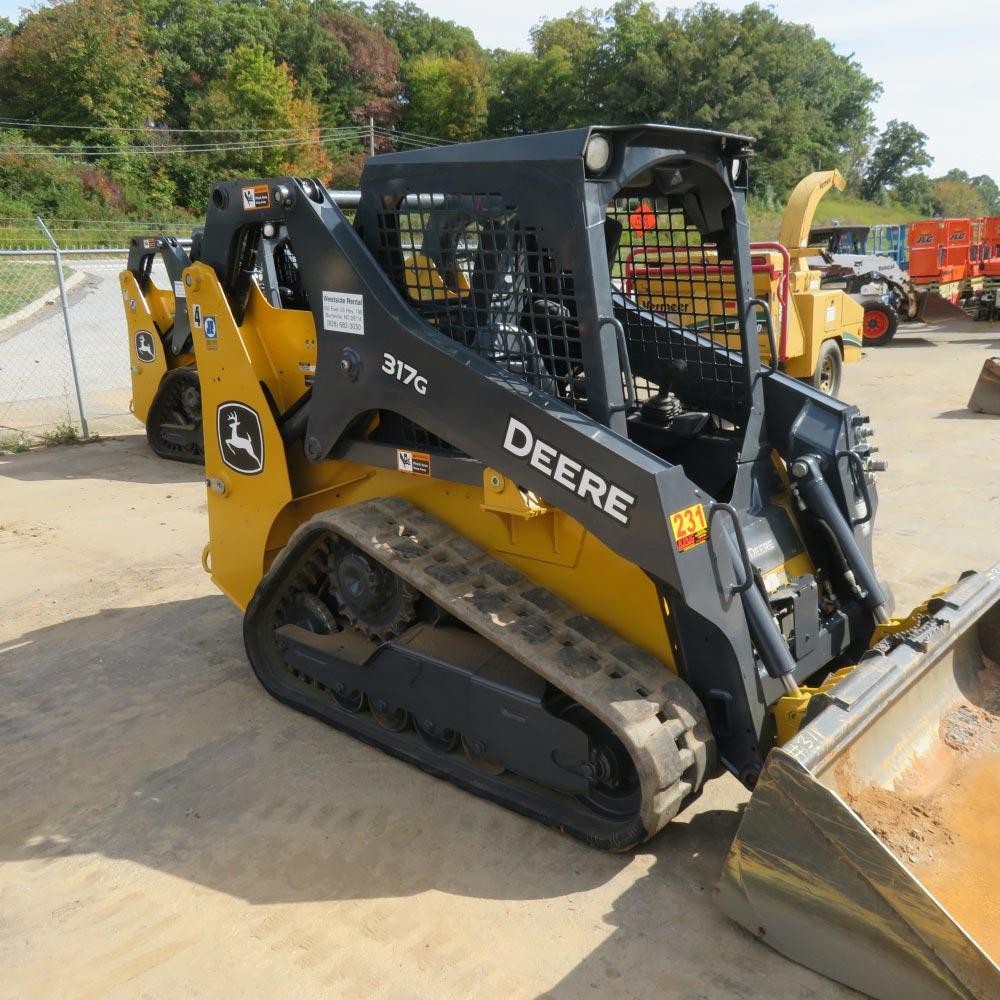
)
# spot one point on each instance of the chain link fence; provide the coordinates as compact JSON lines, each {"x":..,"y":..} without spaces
{"x":64,"y":363}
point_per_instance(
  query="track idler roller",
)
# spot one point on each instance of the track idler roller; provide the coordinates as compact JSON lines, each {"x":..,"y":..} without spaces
{"x":390,"y":717}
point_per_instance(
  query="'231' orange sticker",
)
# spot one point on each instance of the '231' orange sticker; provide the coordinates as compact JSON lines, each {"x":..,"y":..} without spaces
{"x":690,"y":527}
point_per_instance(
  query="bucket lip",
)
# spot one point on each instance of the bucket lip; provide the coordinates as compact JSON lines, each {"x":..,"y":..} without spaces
{"x":862,"y":697}
{"x":950,"y":948}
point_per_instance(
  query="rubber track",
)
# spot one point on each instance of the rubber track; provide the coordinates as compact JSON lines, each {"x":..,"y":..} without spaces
{"x":652,"y":711}
{"x":170,"y":386}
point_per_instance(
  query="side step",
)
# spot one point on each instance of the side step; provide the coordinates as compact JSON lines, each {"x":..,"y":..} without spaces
{"x":654,"y":713}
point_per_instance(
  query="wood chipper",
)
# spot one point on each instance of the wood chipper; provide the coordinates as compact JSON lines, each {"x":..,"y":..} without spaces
{"x":810,"y":330}
{"x":485,"y":510}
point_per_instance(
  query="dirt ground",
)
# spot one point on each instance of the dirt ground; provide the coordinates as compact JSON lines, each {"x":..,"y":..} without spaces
{"x":166,"y":829}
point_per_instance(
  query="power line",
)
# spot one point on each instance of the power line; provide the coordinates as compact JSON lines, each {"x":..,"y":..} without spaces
{"x":23,"y":123}
{"x":180,"y":148}
{"x":155,"y":130}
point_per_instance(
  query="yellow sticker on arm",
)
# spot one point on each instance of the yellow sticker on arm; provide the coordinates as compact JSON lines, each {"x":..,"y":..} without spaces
{"x":690,"y":527}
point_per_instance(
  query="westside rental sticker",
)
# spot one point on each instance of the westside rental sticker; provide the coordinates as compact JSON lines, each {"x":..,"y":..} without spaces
{"x":344,"y":312}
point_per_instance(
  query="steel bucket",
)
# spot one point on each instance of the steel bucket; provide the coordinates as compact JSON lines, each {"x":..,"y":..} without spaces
{"x":869,"y":848}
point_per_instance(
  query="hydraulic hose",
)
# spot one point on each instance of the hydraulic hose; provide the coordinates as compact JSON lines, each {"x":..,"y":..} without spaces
{"x":819,"y":499}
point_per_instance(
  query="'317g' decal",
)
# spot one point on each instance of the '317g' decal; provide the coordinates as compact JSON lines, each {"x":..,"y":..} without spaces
{"x":404,"y":373}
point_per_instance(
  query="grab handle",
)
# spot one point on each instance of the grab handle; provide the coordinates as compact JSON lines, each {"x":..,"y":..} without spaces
{"x":741,"y":545}
{"x":631,"y":400}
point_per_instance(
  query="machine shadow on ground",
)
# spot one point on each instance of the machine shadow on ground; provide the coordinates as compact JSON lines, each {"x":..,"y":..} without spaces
{"x":964,"y":414}
{"x":202,"y":775}
{"x":130,"y":461}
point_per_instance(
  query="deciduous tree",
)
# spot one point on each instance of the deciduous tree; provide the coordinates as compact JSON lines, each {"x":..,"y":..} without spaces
{"x":901,"y":149}
{"x":81,"y":63}
{"x":446,"y":97}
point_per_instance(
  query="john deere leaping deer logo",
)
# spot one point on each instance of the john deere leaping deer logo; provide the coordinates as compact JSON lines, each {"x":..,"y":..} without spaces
{"x":241,"y":440}
{"x":145,"y":346}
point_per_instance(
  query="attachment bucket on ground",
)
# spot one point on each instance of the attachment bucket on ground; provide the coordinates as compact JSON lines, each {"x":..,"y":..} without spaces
{"x":868,"y":849}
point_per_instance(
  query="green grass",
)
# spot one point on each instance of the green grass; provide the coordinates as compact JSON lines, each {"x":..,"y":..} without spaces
{"x":13,"y":444}
{"x":60,"y":434}
{"x":24,"y":281}
{"x":836,"y":206}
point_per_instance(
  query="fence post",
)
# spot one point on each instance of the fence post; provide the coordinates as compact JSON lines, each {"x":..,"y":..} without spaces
{"x":371,"y":134}
{"x":69,"y":327}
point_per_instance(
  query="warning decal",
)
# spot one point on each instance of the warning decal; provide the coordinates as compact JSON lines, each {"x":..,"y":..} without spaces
{"x":344,"y":313}
{"x":417,"y":462}
{"x":255,"y":197}
{"x":689,"y":527}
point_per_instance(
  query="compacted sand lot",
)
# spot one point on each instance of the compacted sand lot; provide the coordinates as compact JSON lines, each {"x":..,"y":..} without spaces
{"x":166,"y":829}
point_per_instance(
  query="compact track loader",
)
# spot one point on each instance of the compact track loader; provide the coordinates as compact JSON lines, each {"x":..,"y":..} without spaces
{"x":166,"y":395}
{"x":485,"y":511}
{"x":165,"y":392}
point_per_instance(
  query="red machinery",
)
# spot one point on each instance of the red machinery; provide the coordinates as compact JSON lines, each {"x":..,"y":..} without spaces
{"x":940,"y":250}
{"x":991,"y":246}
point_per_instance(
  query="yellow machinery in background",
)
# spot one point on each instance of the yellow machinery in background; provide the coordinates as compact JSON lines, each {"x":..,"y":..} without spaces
{"x":814,"y":329}
{"x":165,"y":392}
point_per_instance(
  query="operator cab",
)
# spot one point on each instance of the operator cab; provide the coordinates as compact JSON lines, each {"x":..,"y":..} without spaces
{"x":639,"y":329}
{"x":840,"y":239}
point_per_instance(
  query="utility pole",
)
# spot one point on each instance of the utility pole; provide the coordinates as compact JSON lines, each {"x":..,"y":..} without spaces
{"x":371,"y":134}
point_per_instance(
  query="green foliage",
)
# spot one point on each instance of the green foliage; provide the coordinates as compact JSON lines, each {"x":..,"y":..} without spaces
{"x":193,"y":41}
{"x":64,"y":433}
{"x":990,"y":191}
{"x":255,"y":93}
{"x":33,"y":181}
{"x":955,"y":198}
{"x":836,"y":207}
{"x":915,"y":190}
{"x":416,"y":33}
{"x":14,"y":444}
{"x":81,"y":62}
{"x":901,"y":148}
{"x":230,"y":68}
{"x":744,"y":71}
{"x":447,"y":98}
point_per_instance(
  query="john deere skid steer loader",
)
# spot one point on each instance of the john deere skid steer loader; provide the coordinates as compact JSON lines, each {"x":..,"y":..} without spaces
{"x":488,"y":513}
{"x":166,"y":395}
{"x":165,"y":392}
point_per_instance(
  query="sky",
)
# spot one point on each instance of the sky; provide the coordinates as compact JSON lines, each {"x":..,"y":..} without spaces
{"x":937,"y":62}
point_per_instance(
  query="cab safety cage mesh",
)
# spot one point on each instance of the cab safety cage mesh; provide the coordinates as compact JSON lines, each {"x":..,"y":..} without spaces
{"x":676,"y":297}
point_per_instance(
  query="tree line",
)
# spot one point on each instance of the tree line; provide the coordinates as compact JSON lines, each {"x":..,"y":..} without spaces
{"x":141,"y":104}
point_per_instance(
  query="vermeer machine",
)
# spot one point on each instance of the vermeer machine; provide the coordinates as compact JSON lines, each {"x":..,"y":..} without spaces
{"x":487,"y":512}
{"x":815,"y":329}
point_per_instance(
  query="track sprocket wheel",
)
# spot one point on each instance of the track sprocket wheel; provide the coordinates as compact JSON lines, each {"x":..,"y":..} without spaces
{"x":372,"y":598}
